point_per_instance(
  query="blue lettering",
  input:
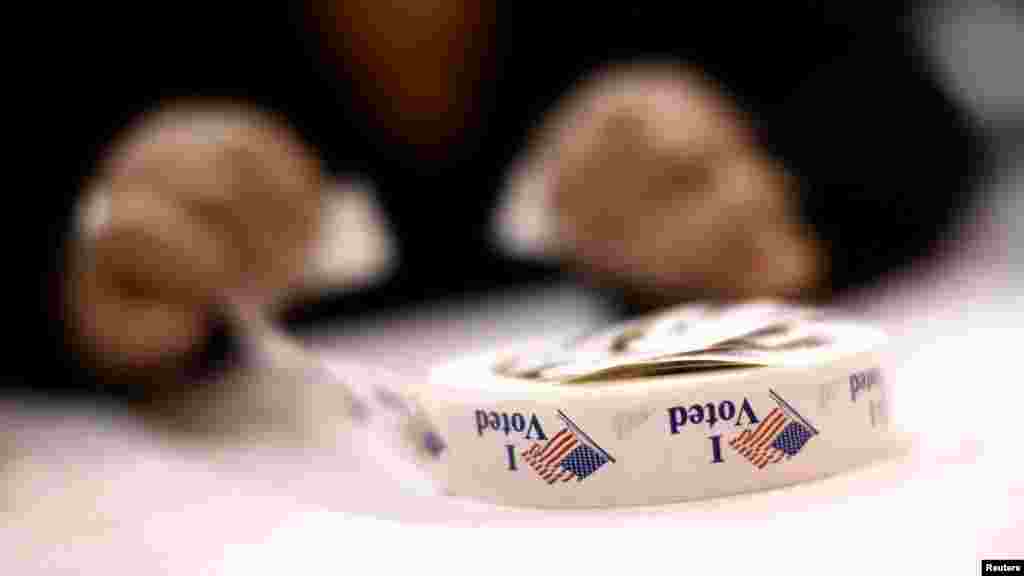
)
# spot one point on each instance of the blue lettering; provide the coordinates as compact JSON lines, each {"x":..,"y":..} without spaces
{"x":676,"y":419}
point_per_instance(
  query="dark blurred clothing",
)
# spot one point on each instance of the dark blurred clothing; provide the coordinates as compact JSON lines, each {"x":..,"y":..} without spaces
{"x":840,"y":93}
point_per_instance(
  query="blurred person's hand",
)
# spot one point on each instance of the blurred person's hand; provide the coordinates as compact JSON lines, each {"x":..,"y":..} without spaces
{"x":658,"y":186}
{"x":197,"y":208}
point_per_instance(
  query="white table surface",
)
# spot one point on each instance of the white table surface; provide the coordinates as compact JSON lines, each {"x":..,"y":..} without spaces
{"x":103,"y":493}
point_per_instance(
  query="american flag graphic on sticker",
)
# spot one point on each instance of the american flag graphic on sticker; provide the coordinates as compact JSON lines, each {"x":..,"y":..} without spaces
{"x":781,"y":435}
{"x":568,"y":454}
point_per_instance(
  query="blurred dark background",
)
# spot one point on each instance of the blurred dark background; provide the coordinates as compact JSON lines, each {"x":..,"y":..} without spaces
{"x":843,"y":95}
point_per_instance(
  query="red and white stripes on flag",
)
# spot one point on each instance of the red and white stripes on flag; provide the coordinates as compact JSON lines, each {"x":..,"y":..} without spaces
{"x":756,"y":445}
{"x":547,"y":461}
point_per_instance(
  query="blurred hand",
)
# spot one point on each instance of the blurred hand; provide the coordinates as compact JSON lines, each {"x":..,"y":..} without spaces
{"x":658,"y":184}
{"x":199,"y":207}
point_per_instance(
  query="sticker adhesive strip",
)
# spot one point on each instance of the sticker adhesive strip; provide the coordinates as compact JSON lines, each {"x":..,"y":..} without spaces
{"x":693,"y":402}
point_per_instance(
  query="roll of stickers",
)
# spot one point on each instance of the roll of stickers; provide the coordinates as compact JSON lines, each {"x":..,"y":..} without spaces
{"x":693,"y":402}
